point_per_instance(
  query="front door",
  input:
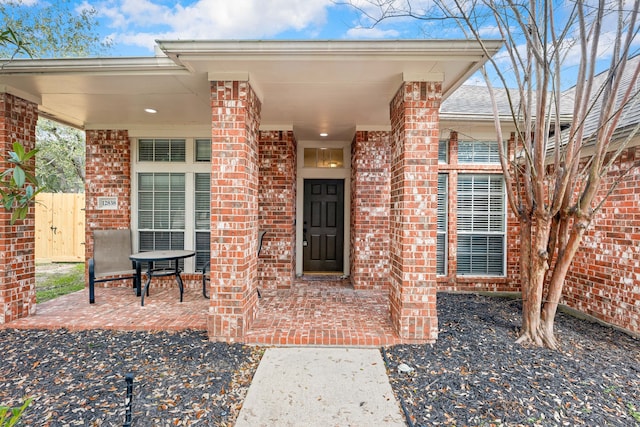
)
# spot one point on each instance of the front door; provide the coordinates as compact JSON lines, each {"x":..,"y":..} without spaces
{"x":323,"y":226}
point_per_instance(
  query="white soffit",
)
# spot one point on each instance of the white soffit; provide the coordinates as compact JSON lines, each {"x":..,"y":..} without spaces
{"x":313,"y":86}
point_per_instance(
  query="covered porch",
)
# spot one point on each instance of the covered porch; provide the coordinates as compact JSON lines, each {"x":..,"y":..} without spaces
{"x":311,"y":312}
{"x":224,"y":127}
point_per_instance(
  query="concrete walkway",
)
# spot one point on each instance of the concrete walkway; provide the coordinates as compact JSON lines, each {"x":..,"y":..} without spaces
{"x":328,"y":386}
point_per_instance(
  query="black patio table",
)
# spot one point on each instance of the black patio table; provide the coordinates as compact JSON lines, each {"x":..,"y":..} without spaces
{"x":151,"y":257}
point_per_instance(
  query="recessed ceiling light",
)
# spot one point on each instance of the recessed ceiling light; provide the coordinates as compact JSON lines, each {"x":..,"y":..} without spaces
{"x":150,"y":110}
{"x":323,"y":134}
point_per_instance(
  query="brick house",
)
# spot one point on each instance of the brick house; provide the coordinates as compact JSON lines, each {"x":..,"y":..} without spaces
{"x":340,"y":150}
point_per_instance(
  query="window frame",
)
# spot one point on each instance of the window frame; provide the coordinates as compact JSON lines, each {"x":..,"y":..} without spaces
{"x":460,"y":231}
{"x":491,"y":156}
{"x":190,"y":167}
{"x":444,"y":231}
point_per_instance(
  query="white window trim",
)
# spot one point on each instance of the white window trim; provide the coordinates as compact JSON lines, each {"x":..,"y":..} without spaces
{"x":479,"y":141}
{"x":322,"y":173}
{"x":503,"y":233}
{"x":189,"y":167}
{"x":446,"y":228}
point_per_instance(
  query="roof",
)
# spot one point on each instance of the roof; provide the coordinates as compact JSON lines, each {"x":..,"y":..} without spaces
{"x":473,"y":103}
{"x":307,"y":86}
{"x":630,"y":117}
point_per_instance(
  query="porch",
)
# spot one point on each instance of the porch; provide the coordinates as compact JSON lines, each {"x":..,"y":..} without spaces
{"x":312,"y":312}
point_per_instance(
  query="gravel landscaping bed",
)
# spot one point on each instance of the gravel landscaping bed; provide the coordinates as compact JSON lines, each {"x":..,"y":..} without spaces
{"x":78,"y":378}
{"x":475,"y":374}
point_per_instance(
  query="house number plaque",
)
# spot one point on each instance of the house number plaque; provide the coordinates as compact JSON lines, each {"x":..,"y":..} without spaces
{"x":107,"y":203}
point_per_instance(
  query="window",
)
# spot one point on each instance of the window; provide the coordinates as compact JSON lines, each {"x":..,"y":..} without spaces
{"x":172,"y":204}
{"x":161,"y":150}
{"x":203,"y":150}
{"x":478,"y":152}
{"x":323,"y":158}
{"x":202,"y":218}
{"x":161,"y":207}
{"x":441,"y":244}
{"x":481,"y":224}
{"x":443,"y":151}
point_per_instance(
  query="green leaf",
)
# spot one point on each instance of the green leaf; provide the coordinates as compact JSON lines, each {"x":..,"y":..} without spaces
{"x":18,"y":149}
{"x":19,"y":213}
{"x":18,"y":176}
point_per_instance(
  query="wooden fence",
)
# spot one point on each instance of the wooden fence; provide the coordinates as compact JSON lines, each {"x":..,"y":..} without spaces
{"x":60,"y":227}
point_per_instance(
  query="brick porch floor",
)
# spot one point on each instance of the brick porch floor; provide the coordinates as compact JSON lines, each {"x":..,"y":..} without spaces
{"x":312,"y":312}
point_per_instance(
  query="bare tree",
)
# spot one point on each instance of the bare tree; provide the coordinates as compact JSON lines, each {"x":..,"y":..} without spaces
{"x":554,"y":174}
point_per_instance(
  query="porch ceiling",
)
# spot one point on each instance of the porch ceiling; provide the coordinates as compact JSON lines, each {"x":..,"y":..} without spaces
{"x":307,"y":86}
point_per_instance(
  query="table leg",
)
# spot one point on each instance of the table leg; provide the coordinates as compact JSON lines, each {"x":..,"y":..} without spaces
{"x":138,"y":278}
{"x":146,"y":286}
{"x":179,"y":280}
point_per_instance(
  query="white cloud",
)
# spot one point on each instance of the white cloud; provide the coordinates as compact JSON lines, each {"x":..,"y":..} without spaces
{"x":23,"y":2}
{"x":492,"y":31}
{"x":140,"y":22}
{"x":371,"y":33}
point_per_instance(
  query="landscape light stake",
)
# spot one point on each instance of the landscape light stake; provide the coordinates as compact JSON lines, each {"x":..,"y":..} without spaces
{"x":129,"y":400}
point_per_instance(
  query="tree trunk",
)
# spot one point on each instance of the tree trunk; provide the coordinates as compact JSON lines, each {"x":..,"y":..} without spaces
{"x":533,"y":283}
{"x":556,"y":283}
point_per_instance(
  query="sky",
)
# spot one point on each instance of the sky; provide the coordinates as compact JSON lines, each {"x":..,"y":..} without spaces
{"x":134,"y":25}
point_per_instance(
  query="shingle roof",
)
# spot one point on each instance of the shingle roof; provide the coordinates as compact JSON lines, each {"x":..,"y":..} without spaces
{"x":471,"y":100}
{"x":475,"y":100}
{"x":631,"y":113}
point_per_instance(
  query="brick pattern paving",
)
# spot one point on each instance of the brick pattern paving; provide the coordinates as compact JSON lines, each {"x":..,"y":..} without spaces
{"x":313,"y":312}
{"x":321,"y":312}
{"x":119,"y":308}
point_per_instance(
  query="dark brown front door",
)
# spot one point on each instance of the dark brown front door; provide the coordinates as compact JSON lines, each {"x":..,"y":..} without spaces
{"x":323,"y":224}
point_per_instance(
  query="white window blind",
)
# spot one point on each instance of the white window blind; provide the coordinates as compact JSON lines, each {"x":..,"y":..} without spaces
{"x":443,"y":151}
{"x":478,"y":152}
{"x":172,"y":188}
{"x":481,"y":224}
{"x":441,"y":244}
{"x":161,"y":150}
{"x":161,"y":210}
{"x":202,"y":218}
{"x":203,"y":150}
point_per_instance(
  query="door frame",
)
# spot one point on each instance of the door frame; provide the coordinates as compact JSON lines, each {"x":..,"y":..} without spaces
{"x":323,"y":173}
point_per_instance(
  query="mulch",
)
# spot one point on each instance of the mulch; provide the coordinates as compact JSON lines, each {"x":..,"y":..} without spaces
{"x":78,"y":378}
{"x":476,"y":375}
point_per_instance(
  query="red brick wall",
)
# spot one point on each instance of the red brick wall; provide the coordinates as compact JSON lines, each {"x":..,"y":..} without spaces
{"x":108,"y":174}
{"x":370,"y":205}
{"x":604,"y":278}
{"x":451,"y":281}
{"x":413,"y":216}
{"x":277,"y":200}
{"x":234,"y":209}
{"x":18,"y":120}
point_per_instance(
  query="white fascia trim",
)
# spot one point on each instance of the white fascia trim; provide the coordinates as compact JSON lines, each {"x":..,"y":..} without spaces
{"x":470,"y":117}
{"x":94,"y":66}
{"x":186,"y":50}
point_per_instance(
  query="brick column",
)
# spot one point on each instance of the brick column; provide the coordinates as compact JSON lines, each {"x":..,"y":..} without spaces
{"x":235,"y":121}
{"x":370,"y":200}
{"x":277,"y":201}
{"x":414,"y":203}
{"x":108,"y":174}
{"x":18,"y":119}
